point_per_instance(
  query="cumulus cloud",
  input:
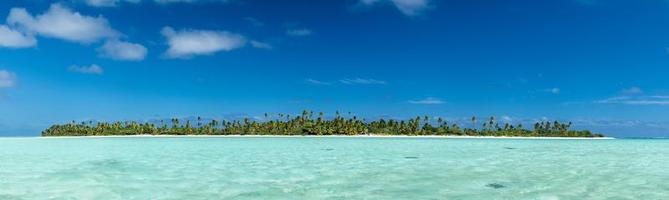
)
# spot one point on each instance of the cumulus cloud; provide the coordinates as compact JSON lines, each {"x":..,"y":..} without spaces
{"x":189,"y":43}
{"x":14,"y":39}
{"x":93,"y":69}
{"x":62,"y":23}
{"x":299,"y":32}
{"x":428,"y":101}
{"x":120,"y":50}
{"x":407,"y":7}
{"x":362,"y":81}
{"x":260,"y":45}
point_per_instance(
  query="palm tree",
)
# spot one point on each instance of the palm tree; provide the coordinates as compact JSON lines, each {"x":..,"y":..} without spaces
{"x":305,"y":124}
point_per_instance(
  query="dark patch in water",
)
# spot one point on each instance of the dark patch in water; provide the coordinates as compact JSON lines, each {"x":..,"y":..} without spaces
{"x":410,"y":157}
{"x":495,"y":186}
{"x":107,"y":163}
{"x":328,"y":149}
{"x":509,"y":148}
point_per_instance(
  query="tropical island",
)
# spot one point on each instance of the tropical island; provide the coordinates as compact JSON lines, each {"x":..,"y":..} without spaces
{"x":307,"y":124}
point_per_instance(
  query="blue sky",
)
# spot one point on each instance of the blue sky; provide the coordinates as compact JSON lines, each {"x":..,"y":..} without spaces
{"x":599,"y":63}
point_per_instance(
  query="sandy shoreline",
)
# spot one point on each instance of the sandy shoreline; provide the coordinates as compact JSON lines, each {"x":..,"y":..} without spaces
{"x":333,"y":136}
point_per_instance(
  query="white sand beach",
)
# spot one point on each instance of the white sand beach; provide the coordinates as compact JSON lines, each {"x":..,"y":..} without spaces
{"x":340,"y":136}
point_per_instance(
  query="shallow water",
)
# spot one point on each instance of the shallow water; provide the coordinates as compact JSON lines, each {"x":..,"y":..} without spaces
{"x":332,"y":168}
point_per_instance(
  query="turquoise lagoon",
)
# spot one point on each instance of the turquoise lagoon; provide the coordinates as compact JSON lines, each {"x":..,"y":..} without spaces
{"x":332,"y":168}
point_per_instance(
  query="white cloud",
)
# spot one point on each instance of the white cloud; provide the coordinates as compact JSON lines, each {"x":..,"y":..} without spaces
{"x":120,"y":50}
{"x":299,"y":32}
{"x":189,"y":43}
{"x":317,"y":82}
{"x":93,"y":69}
{"x":428,"y":101}
{"x":14,"y":39}
{"x":7,"y":79}
{"x":362,"y":81}
{"x":260,"y":45}
{"x":62,"y":23}
{"x":407,"y":7}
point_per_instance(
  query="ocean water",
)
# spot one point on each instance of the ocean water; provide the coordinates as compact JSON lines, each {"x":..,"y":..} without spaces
{"x":332,"y":168}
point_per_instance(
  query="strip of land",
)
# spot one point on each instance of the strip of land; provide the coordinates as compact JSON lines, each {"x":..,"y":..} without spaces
{"x":308,"y":124}
{"x":339,"y":136}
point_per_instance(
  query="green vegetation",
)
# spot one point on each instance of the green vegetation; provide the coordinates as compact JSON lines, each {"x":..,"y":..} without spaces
{"x":306,"y":124}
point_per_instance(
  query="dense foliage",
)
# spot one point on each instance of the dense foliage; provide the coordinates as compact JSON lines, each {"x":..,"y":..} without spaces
{"x":306,"y":124}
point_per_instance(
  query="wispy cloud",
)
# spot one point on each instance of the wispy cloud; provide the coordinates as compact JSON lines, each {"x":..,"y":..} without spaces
{"x":260,"y":45}
{"x":617,"y":99}
{"x":428,"y":101}
{"x":93,"y":69}
{"x":507,"y":119}
{"x":552,"y":90}
{"x":634,"y":96}
{"x":106,"y":3}
{"x":7,"y":79}
{"x":362,"y":81}
{"x":255,"y":22}
{"x":300,"y":32}
{"x":188,"y":1}
{"x":586,"y":2}
{"x":114,"y":3}
{"x":636,"y":100}
{"x":661,"y":96}
{"x":631,"y":91}
{"x":348,"y":81}
{"x":316,"y":82}
{"x":406,"y":7}
{"x":649,"y":102}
